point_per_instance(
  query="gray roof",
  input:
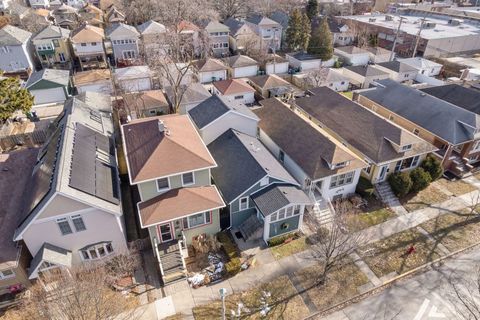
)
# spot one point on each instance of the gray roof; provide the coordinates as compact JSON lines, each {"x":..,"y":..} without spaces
{"x":367,"y":71}
{"x":51,"y":254}
{"x":466,"y":98}
{"x":52,"y":32}
{"x":277,"y":196}
{"x":192,"y":93}
{"x":364,"y":130}
{"x":397,"y":66}
{"x":60,"y":77}
{"x":302,"y":142}
{"x":151,"y":27}
{"x":102,"y":102}
{"x":13,"y":36}
{"x":303,"y":56}
{"x":351,"y":50}
{"x":208,"y":111}
{"x":58,"y":161}
{"x":239,"y":61}
{"x":233,"y":24}
{"x":242,"y":162}
{"x":121,"y":29}
{"x":261,"y":20}
{"x":447,"y":121}
{"x":281,"y":18}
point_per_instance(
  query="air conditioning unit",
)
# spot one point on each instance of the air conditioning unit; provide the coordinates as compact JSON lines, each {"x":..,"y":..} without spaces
{"x":429,"y":25}
{"x":455,"y":22}
{"x":372,"y":19}
{"x":388,"y":18}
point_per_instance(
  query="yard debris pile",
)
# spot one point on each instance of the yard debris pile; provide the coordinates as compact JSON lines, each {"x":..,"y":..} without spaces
{"x":210,"y":274}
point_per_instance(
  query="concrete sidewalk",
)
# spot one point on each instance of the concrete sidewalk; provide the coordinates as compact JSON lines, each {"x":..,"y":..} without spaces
{"x":185,"y":298}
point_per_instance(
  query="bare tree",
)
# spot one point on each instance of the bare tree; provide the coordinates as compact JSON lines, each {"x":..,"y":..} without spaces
{"x":316,"y":78}
{"x":31,"y":22}
{"x":332,"y":244}
{"x":230,"y":8}
{"x":464,"y":294}
{"x":78,"y":293}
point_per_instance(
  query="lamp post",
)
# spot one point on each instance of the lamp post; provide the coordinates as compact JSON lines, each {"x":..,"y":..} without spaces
{"x":223,"y":293}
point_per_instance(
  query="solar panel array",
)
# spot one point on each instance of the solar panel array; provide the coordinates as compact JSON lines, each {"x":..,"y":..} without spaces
{"x":87,"y":172}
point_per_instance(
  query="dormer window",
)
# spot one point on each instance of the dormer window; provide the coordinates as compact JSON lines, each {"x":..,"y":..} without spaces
{"x":407,"y":147}
{"x":163,"y":184}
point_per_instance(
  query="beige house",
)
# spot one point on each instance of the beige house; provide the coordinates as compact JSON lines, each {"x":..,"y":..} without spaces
{"x":169,"y":163}
{"x":88,"y":46}
{"x":146,"y":104}
{"x":386,"y":147}
{"x":73,"y":212}
{"x":52,"y":46}
{"x":96,"y":80}
{"x":270,"y":86}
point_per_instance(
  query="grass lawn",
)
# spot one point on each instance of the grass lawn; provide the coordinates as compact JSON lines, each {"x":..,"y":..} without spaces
{"x":423,"y":199}
{"x":287,"y":249}
{"x":454,"y":231}
{"x":457,"y":187}
{"x":341,"y":285}
{"x":348,"y":94}
{"x":283,"y":301}
{"x":373,"y":213}
{"x":390,"y":254}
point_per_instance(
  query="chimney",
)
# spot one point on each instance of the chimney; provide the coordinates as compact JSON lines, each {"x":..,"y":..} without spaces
{"x":161,"y":126}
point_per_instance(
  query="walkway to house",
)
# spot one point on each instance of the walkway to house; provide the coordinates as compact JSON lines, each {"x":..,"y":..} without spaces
{"x":184,"y":298}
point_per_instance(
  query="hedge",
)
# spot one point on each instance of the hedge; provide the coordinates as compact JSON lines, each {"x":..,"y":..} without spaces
{"x":401,"y":183}
{"x":233,"y":266}
{"x":281,"y":239}
{"x":433,"y":166}
{"x":365,"y":188}
{"x":420,"y":179}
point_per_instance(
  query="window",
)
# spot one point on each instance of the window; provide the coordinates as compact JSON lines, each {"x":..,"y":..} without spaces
{"x":188,"y":179}
{"x":225,"y":44}
{"x":281,"y":156}
{"x":281,"y":214}
{"x":83,"y":44}
{"x":416,"y":131}
{"x":6,"y":274}
{"x":197,"y":220}
{"x":341,"y":179}
{"x":398,"y":166}
{"x":61,"y":57}
{"x":273,"y":217}
{"x":238,"y":97}
{"x":296,"y":209}
{"x":243,"y":203}
{"x":128,"y":54}
{"x":93,"y":43}
{"x":163,"y":184}
{"x":368,"y":169}
{"x":415,"y":161}
{"x":78,"y":223}
{"x":64,"y":226}
{"x":55,"y":42}
{"x":289,"y":212}
{"x":97,"y":251}
{"x":407,"y":147}
{"x":406,"y":163}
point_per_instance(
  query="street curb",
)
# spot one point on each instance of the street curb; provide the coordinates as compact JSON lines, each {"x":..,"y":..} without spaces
{"x":386,"y":284}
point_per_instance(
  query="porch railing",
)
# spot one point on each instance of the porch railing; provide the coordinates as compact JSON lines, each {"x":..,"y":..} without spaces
{"x":158,"y":256}
{"x":183,"y":244}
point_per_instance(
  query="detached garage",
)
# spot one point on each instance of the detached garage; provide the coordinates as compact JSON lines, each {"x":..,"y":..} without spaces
{"x":49,"y":86}
{"x":134,"y":79}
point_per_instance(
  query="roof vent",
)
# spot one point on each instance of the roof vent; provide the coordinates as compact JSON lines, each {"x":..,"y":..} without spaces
{"x":423,"y":94}
{"x":372,"y":19}
{"x":388,"y":18}
{"x":161,"y":126}
{"x":167,"y":132}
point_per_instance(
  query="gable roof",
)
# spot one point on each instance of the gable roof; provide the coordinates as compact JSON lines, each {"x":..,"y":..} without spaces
{"x":60,"y":77}
{"x":466,"y":98}
{"x":151,"y":27}
{"x":278,"y":195}
{"x":52,"y":31}
{"x":303,"y":56}
{"x":351,"y":50}
{"x":239,"y":61}
{"x":261,"y":20}
{"x":367,"y":71}
{"x":378,"y":51}
{"x":62,"y":167}
{"x":359,"y":127}
{"x":212,"y":25}
{"x":397,"y":66}
{"x":146,"y":99}
{"x":192,"y":93}
{"x":269,"y":81}
{"x":186,"y":26}
{"x":302,"y":142}
{"x":213,"y":108}
{"x":234,"y":25}
{"x":51,"y":254}
{"x":232,"y":86}
{"x":210,"y":64}
{"x":153,"y":154}
{"x":13,"y":36}
{"x":421,"y":63}
{"x":280,"y":17}
{"x":121,"y":29}
{"x":242,"y":162}
{"x":133,"y":72}
{"x":87,"y":33}
{"x":178,"y":203}
{"x":92,"y":76}
{"x":449,"y":122}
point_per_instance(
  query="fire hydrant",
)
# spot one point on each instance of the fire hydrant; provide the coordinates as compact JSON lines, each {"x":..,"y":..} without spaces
{"x":411,"y":249}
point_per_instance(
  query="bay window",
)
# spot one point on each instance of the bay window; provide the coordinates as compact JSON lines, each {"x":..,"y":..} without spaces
{"x":341,"y":179}
{"x":96,"y":251}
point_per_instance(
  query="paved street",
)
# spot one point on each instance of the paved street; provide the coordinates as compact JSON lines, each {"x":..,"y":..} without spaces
{"x":425,"y":296}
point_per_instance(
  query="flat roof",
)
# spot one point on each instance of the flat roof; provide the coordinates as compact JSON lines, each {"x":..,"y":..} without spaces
{"x":411,"y":25}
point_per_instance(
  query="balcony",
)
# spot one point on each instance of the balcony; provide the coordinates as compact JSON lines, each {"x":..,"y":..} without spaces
{"x":46,"y":52}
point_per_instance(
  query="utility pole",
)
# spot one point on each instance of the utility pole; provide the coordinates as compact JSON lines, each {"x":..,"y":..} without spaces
{"x":395,"y":40}
{"x":274,"y":48}
{"x":417,"y":40}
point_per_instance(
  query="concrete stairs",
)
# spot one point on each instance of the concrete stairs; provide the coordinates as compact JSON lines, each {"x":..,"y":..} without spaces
{"x":252,"y":228}
{"x":461,"y":167}
{"x":389,"y":198}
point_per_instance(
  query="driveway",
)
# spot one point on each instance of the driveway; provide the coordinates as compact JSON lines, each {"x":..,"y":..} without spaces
{"x":425,"y":296}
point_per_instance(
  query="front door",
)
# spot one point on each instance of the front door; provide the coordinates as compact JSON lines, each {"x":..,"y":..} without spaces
{"x":166,"y":233}
{"x":383,"y":173}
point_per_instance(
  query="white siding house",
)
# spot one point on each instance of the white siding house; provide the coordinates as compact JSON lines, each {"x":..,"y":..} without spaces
{"x":353,"y":55}
{"x":234,"y":90}
{"x":424,"y":66}
{"x":241,"y":66}
{"x":137,"y":78}
{"x":15,"y":54}
{"x":210,"y":70}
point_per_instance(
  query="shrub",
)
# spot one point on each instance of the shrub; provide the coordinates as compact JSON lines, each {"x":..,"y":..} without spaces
{"x":234,"y":264}
{"x":365,"y":187}
{"x":281,"y":239}
{"x":420,"y":179}
{"x":433,"y":166}
{"x":401,"y":183}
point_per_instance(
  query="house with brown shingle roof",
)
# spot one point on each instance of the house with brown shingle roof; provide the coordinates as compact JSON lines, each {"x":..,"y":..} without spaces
{"x":325,"y":168}
{"x":169,"y":163}
{"x":241,"y":66}
{"x":87,"y":42}
{"x":235,"y":90}
{"x":270,"y":86}
{"x":385,"y":146}
{"x":210,"y":70}
{"x":96,"y":80}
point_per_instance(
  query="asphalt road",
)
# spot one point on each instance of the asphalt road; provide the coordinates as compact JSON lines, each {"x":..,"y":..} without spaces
{"x":429,"y":295}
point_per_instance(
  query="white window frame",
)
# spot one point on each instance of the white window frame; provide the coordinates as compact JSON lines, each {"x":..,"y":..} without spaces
{"x":475,"y":147}
{"x":61,"y":220}
{"x":335,"y":180}
{"x":406,"y":147}
{"x":193,"y":179}
{"x":104,"y":245}
{"x":240,"y":208}
{"x":77,"y":216}
{"x":162,"y":189}
{"x":129,"y":54}
{"x":4,"y":277}
{"x":207,"y":215}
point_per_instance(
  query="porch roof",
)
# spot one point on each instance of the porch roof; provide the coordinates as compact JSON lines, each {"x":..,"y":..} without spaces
{"x":179,"y":203}
{"x":51,"y":254}
{"x":277,"y":196}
